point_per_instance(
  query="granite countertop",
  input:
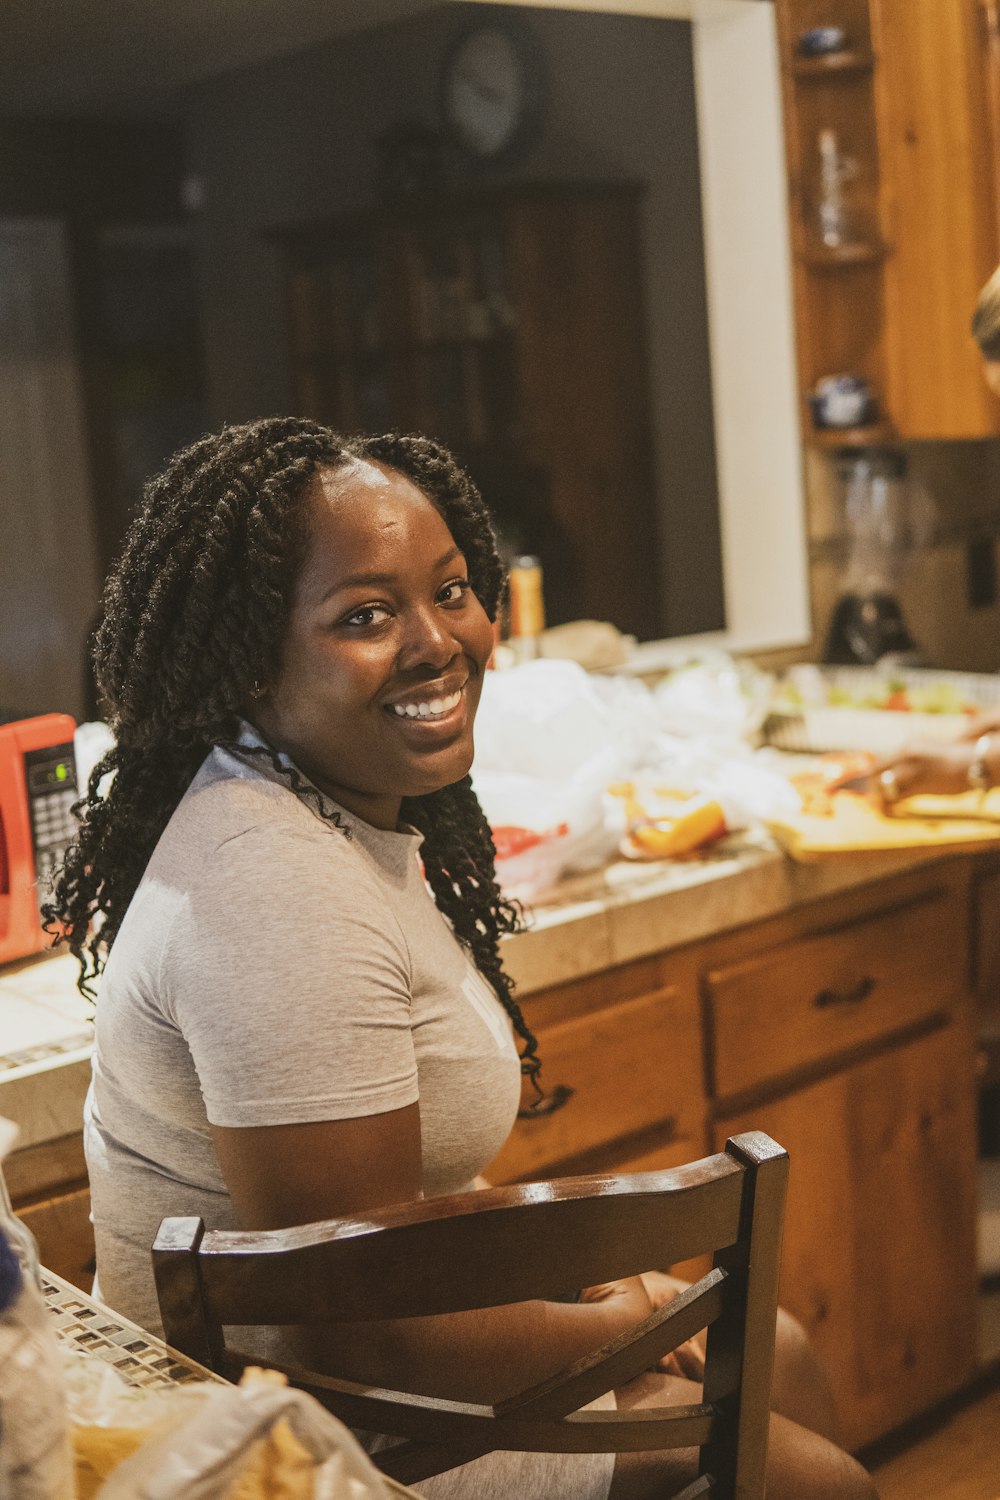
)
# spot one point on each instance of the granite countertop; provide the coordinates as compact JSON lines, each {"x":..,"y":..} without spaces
{"x":622,"y":912}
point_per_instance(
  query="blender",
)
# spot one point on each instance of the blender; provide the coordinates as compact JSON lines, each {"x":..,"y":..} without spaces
{"x":867,"y":623}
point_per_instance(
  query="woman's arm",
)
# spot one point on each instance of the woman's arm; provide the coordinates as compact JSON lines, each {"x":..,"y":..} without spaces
{"x":279,"y":1175}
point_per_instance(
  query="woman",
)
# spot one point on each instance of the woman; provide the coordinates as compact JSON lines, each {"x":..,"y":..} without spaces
{"x":290,"y":1026}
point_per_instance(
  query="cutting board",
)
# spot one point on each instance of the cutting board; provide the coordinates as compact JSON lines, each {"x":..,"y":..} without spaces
{"x":855,"y":823}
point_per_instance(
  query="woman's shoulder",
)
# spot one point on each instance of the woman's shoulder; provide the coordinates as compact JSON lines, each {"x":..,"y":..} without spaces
{"x":235,"y":810}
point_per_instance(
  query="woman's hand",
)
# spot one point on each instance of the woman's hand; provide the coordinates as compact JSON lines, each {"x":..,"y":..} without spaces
{"x":642,"y":1295}
{"x":629,"y":1296}
{"x":980,"y":724}
{"x":924,"y":768}
{"x":941,"y":767}
{"x":687,"y":1359}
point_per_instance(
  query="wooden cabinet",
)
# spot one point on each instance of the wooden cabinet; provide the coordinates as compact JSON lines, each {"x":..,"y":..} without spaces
{"x":507,"y":324}
{"x":49,"y":1191}
{"x":844,"y":1030}
{"x":878,"y":1259}
{"x":986,"y":976}
{"x":913,"y":101}
{"x":622,"y":1082}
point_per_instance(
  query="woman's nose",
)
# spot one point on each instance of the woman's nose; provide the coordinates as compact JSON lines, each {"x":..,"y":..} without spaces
{"x":427,"y":641}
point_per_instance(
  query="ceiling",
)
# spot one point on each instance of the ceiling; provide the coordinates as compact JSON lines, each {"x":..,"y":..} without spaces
{"x":72,"y":57}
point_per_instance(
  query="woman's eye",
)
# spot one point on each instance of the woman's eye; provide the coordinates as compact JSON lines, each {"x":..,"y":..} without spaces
{"x":368,"y":614}
{"x":455,"y":591}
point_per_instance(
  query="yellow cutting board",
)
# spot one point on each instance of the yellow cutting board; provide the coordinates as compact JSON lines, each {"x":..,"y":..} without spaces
{"x":855,"y":823}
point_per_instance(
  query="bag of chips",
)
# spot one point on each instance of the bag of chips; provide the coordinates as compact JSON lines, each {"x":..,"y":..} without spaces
{"x":260,"y":1440}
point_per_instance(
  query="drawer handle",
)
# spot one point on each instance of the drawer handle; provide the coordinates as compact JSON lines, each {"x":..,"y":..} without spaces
{"x":823,"y":999}
{"x":548,"y":1103}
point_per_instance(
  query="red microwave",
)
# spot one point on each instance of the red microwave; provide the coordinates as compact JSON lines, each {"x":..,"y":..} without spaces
{"x":37,"y":792}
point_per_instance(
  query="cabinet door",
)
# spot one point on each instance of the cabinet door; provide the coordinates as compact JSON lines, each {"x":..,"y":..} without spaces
{"x":935,"y":75}
{"x":879,"y":1257}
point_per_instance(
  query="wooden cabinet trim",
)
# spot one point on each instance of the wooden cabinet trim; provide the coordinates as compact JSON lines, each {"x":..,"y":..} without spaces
{"x":781,"y":1085}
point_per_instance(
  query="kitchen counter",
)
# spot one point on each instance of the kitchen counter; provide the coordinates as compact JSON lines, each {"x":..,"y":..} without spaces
{"x":629,"y":910}
{"x":45,"y":1045}
{"x":625,"y":911}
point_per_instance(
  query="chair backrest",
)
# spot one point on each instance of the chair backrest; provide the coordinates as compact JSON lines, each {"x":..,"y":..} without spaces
{"x":502,"y":1245}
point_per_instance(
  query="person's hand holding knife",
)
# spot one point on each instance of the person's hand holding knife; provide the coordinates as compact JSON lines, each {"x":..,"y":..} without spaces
{"x":971,"y":762}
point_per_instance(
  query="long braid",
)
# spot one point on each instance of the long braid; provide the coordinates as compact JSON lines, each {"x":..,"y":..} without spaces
{"x":193,"y":613}
{"x":459,"y":865}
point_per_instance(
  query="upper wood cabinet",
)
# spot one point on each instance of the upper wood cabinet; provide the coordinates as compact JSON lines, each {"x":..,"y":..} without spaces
{"x":913,"y":104}
{"x":508,"y":324}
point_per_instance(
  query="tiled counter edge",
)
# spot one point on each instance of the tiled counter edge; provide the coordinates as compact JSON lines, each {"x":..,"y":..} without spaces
{"x":628,"y":911}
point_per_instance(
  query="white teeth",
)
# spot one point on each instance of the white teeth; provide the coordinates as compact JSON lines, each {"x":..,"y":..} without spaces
{"x":433,"y":709}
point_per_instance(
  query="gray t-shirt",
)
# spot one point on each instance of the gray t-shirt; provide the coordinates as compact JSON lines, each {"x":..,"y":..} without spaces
{"x":273,"y":968}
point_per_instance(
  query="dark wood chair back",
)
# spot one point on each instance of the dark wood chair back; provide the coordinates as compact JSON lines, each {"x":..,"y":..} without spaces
{"x":513,"y":1244}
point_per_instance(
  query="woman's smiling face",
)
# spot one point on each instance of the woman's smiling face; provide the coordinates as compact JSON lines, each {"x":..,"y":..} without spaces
{"x":384,"y":653}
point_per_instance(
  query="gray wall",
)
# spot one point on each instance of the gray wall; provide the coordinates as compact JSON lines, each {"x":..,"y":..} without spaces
{"x":294,"y":140}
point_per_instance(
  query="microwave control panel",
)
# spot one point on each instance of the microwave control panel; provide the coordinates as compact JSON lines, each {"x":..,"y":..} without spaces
{"x":50,"y":779}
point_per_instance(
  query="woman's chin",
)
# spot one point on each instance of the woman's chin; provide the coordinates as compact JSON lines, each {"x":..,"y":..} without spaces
{"x":438,"y":771}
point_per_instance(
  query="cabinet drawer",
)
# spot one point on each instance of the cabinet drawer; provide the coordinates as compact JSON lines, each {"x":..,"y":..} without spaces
{"x":606,"y":1075}
{"x":783,"y":1010}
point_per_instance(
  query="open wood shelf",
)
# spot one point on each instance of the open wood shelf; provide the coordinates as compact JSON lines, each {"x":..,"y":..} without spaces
{"x":848,"y":61}
{"x":851,"y":437}
{"x":855,"y":253}
{"x":912,"y":100}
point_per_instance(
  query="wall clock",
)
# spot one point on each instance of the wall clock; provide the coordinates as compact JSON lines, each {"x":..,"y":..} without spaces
{"x":493,"y":90}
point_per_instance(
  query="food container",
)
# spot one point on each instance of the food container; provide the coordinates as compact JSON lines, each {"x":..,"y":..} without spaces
{"x":847,"y":708}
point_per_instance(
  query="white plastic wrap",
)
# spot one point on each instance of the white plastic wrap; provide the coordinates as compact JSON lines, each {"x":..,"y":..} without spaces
{"x":34,"y":1442}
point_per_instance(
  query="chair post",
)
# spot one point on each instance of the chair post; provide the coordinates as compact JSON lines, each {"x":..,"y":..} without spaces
{"x":742,"y":1377}
{"x":178,"y":1288}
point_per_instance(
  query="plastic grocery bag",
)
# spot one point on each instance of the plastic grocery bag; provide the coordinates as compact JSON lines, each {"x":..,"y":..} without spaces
{"x":34,"y":1447}
{"x":261,"y":1440}
{"x":714,"y":698}
{"x":549,"y":743}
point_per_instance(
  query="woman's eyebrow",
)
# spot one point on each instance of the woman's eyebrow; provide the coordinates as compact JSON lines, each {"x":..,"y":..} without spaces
{"x":379,"y":580}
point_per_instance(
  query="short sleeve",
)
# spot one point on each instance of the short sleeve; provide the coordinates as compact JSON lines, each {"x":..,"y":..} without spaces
{"x":289,"y":979}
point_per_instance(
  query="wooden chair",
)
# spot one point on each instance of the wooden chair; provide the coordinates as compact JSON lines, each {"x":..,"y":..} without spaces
{"x":500,"y":1245}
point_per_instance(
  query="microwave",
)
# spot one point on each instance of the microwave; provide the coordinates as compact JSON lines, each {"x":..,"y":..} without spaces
{"x":37,"y":791}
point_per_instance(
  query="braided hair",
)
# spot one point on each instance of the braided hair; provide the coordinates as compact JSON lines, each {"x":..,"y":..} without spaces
{"x":194,"y":615}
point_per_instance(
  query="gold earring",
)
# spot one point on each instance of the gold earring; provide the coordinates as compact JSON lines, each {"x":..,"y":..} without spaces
{"x":256,"y":691}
